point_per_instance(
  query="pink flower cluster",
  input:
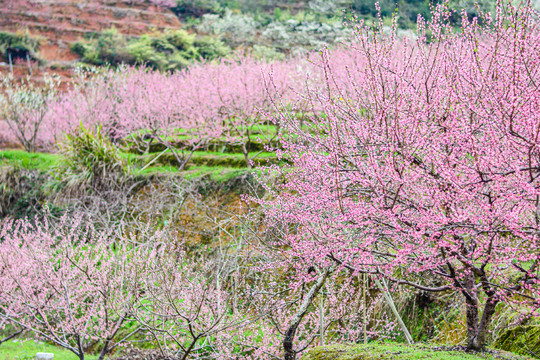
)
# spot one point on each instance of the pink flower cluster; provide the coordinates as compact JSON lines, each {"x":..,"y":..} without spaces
{"x":205,"y":102}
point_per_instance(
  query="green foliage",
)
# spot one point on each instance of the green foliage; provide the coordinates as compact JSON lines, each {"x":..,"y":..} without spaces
{"x":196,"y":8}
{"x":179,"y":39}
{"x":211,"y":48}
{"x":168,"y":50}
{"x":392,"y":351}
{"x":266,"y":52}
{"x":89,"y":161}
{"x":108,"y":48}
{"x":524,"y":340}
{"x":171,"y":50}
{"x":144,"y":53}
{"x":17,"y":42}
{"x":234,"y":27}
{"x":80,"y":48}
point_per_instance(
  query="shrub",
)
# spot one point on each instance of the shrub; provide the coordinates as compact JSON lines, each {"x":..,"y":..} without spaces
{"x":235,"y":28}
{"x":196,"y":8}
{"x":80,"y":48}
{"x":144,"y":53}
{"x":19,"y":42}
{"x":211,"y":48}
{"x":180,"y":39}
{"x":169,"y":50}
{"x":90,"y":162}
{"x":110,"y":48}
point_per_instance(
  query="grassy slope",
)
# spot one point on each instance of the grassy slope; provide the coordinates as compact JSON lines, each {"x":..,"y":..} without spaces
{"x":392,"y":351}
{"x":37,"y":161}
{"x":219,"y":166}
{"x":26,"y":350}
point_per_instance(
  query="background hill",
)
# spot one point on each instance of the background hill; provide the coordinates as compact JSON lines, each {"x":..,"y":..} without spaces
{"x":58,"y":34}
{"x":57,"y":24}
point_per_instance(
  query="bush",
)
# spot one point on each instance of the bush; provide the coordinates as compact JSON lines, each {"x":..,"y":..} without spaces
{"x":21,"y":191}
{"x":169,"y":50}
{"x":19,"y":43}
{"x":196,"y":8}
{"x":111,"y":48}
{"x":80,"y":48}
{"x":144,"y":53}
{"x":236,"y":29}
{"x":211,"y":48}
{"x":90,"y":162}
{"x":108,"y":48}
{"x":180,"y":39}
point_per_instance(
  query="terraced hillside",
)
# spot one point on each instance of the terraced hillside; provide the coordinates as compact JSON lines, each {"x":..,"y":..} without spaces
{"x":59,"y":23}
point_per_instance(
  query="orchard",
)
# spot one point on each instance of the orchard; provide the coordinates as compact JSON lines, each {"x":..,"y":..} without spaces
{"x":405,"y":164}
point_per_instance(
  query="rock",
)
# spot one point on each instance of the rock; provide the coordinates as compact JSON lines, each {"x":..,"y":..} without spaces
{"x":44,"y":356}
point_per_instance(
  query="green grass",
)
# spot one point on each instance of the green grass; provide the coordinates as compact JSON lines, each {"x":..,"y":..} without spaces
{"x":26,"y":350}
{"x":219,"y":166}
{"x":393,"y":351}
{"x":37,"y":161}
{"x":216,"y":173}
{"x":263,"y":132}
{"x":199,"y":158}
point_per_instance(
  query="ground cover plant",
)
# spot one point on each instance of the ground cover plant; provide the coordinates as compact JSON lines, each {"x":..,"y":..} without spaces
{"x":400,"y":351}
{"x":18,"y":350}
{"x":391,"y":163}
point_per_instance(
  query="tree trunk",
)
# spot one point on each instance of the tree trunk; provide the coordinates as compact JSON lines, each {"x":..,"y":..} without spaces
{"x":245,"y":151}
{"x":290,"y":353}
{"x":477,"y":331}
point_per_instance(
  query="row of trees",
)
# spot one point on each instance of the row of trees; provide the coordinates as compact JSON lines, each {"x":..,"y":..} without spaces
{"x":227,"y":101}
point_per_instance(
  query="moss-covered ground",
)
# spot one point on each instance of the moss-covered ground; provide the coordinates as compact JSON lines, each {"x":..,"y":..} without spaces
{"x":523,"y":339}
{"x":393,"y":351}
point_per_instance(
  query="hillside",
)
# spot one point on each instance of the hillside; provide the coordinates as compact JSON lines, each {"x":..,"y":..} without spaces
{"x":59,"y":23}
{"x":268,"y":29}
